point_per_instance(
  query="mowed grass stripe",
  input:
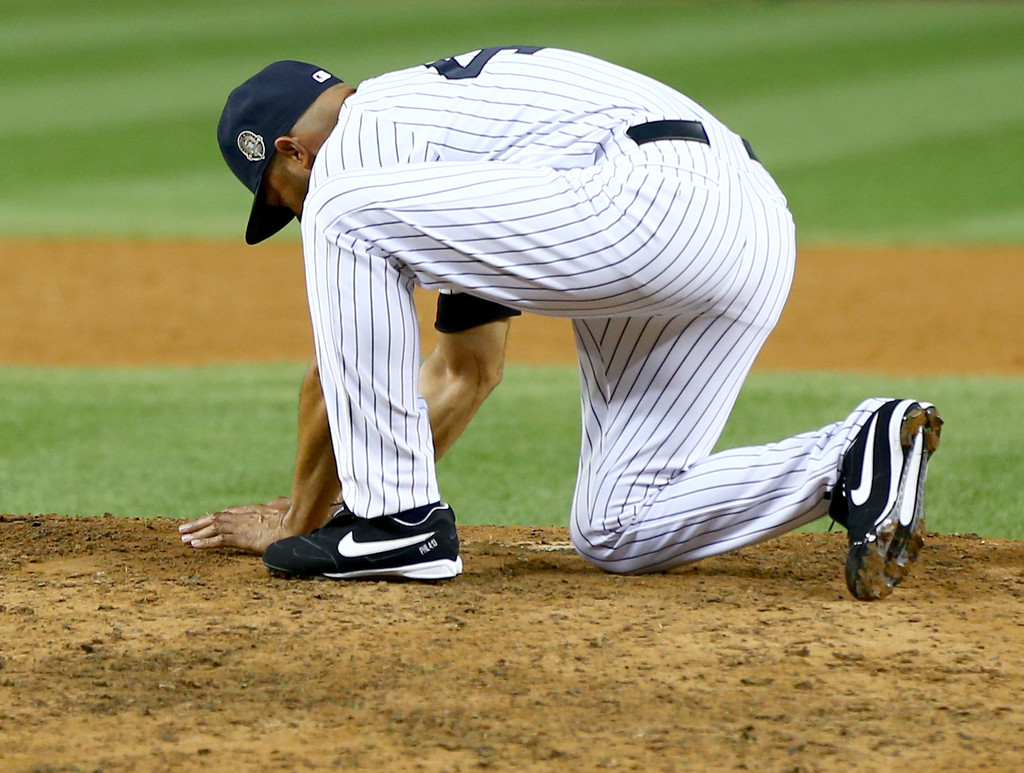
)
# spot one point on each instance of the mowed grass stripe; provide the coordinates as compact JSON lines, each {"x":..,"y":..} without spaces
{"x":144,"y":441}
{"x":743,"y":48}
{"x":180,"y":442}
{"x":127,"y":95}
{"x":139,"y":208}
{"x":840,"y":120}
{"x":904,"y":193}
{"x":772,"y":50}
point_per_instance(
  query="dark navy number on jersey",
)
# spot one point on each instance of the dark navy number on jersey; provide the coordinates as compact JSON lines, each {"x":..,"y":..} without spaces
{"x":452,"y":70}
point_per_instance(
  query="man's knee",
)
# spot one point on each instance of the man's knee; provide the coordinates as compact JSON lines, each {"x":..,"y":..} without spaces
{"x":623,"y":550}
{"x":604,"y":548}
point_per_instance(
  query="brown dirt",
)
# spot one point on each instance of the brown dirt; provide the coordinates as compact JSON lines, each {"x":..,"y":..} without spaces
{"x":879,"y":310}
{"x":122,"y":651}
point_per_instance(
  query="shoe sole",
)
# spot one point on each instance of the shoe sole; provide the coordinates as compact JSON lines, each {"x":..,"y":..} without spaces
{"x":876,"y":566}
{"x":443,"y":569}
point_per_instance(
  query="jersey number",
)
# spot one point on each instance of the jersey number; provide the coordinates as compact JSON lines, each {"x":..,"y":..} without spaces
{"x":454,"y":71}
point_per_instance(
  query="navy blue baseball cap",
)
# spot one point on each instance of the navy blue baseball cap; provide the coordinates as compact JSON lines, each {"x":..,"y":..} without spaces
{"x":259,"y":111}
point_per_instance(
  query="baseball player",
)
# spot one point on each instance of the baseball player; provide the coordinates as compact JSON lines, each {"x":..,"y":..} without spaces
{"x":553,"y":182}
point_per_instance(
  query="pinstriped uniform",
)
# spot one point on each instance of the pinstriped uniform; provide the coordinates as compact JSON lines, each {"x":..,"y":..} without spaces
{"x":508,"y":174}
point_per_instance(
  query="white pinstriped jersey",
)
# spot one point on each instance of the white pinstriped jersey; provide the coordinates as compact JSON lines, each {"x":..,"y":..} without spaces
{"x":508,"y":174}
{"x":549,"y":108}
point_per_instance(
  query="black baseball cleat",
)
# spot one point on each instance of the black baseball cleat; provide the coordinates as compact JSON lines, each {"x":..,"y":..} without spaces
{"x":419,"y":544}
{"x":880,"y":495}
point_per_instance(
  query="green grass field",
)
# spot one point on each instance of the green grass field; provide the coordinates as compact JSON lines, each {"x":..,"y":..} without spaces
{"x":181,"y":442}
{"x":885,"y":122}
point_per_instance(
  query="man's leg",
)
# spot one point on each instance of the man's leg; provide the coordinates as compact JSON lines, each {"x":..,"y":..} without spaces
{"x":720,"y":503}
{"x":367,"y":341}
{"x":657,"y":393}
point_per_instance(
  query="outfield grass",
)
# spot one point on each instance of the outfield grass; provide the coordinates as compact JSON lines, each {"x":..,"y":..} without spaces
{"x":884,"y":121}
{"x":182,"y":442}
{"x":145,"y":442}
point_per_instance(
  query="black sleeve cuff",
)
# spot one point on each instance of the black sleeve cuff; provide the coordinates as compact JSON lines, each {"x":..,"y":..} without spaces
{"x":459,"y":311}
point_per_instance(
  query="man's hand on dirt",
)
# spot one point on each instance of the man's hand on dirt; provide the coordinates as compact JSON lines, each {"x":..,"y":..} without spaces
{"x":251,"y":528}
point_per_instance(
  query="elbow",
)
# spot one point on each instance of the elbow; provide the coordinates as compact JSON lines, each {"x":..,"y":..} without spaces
{"x":471,"y":364}
{"x":490,"y":374}
{"x":475,"y":384}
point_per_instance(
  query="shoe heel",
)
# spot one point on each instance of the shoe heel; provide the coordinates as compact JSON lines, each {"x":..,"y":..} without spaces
{"x":914,"y":421}
{"x":866,"y":568}
{"x":932,"y":429}
{"x":908,"y":540}
{"x":443,"y":569}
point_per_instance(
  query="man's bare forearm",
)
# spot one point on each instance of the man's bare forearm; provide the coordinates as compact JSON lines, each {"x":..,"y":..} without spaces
{"x":458,"y":376}
{"x":455,"y":379}
{"x":315,"y":484}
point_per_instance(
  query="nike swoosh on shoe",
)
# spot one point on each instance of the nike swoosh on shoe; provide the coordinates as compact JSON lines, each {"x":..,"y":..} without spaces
{"x":349,"y":548}
{"x":860,"y":494}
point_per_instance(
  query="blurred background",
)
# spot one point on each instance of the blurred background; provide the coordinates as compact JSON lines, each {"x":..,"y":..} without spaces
{"x":884,"y":121}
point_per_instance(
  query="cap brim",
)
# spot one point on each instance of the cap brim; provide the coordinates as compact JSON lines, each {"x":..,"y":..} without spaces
{"x":264,"y":220}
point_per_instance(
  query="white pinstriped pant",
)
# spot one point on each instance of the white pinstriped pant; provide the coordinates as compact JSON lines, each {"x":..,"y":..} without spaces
{"x":674,"y":267}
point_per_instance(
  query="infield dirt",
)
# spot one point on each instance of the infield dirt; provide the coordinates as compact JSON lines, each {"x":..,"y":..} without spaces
{"x":120,"y":650}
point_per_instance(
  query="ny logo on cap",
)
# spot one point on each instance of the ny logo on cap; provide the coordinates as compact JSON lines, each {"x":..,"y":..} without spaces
{"x":252,"y":146}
